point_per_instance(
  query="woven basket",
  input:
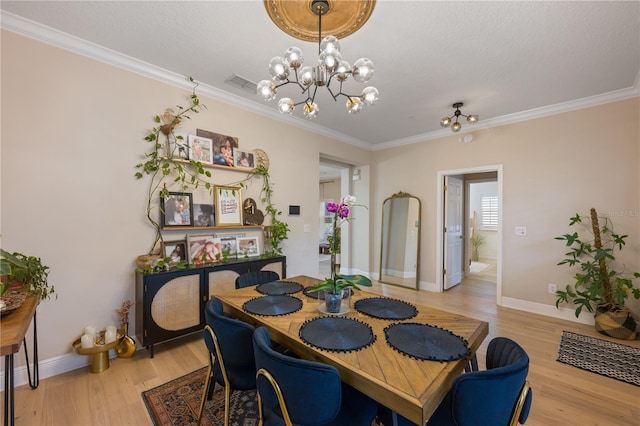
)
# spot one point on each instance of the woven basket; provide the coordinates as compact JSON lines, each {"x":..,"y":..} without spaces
{"x":616,"y":323}
{"x":147,"y":260}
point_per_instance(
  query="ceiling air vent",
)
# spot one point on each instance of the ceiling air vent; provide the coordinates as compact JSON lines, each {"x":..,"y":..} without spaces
{"x":242,"y":83}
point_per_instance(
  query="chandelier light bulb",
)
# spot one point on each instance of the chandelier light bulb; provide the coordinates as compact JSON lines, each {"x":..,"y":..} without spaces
{"x":473,"y":118}
{"x":362,"y":70}
{"x":330,"y":44}
{"x":286,"y":106}
{"x":343,"y":71}
{"x":354,"y":105}
{"x":279,"y":68}
{"x":267,"y":90}
{"x":369,"y":95}
{"x":310,"y":110}
{"x":330,"y":60}
{"x":305,"y":77}
{"x":294,"y":57}
{"x":445,"y":122}
{"x":455,"y":127}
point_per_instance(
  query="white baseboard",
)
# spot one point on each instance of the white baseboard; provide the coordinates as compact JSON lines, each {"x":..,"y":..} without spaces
{"x":548,"y":310}
{"x":48,"y":367}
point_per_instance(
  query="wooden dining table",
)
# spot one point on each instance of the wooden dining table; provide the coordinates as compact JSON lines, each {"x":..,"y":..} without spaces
{"x":409,"y":386}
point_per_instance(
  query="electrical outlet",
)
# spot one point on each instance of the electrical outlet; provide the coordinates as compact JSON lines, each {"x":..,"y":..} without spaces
{"x":553,"y":288}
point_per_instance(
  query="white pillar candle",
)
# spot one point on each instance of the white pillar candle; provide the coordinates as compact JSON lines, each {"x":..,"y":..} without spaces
{"x":90,"y":330}
{"x":86,"y":341}
{"x":110,"y":335}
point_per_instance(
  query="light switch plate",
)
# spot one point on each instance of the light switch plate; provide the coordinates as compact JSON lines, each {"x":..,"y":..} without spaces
{"x":521,"y":230}
{"x":307,"y":227}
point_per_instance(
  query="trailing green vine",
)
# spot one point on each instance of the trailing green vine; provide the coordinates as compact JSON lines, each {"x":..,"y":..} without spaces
{"x":188,"y":174}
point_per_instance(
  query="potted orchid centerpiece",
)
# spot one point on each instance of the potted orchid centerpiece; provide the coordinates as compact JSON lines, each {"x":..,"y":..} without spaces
{"x":338,"y":286}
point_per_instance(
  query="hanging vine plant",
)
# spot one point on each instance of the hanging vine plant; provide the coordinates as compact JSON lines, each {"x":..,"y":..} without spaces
{"x":160,"y":164}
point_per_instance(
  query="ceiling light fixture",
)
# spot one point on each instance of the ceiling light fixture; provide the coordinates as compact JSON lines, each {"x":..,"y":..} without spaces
{"x":331,"y":67}
{"x":456,"y":126}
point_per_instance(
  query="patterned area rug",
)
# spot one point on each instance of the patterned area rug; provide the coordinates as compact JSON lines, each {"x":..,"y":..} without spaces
{"x":609,"y":359}
{"x":178,"y":402}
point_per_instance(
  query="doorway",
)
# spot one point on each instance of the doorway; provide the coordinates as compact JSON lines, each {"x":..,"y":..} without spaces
{"x":331,"y":178}
{"x":462,"y":254}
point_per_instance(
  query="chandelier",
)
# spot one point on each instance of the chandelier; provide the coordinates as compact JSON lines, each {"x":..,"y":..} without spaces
{"x":330,"y":69}
{"x":456,"y":126}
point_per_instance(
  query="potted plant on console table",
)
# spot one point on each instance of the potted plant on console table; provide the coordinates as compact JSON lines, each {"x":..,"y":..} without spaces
{"x":338,"y":287}
{"x":597,"y":282}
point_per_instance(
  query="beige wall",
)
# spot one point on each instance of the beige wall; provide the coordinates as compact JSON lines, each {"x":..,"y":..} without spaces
{"x":73,"y":128}
{"x":553,"y":167}
{"x":72,"y":132}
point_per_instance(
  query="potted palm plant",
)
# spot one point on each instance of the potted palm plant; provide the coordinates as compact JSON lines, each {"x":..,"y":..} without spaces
{"x":600,"y":285}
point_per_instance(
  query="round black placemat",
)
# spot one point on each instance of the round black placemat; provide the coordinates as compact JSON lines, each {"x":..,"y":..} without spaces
{"x":317,"y":294}
{"x":385,"y":308}
{"x":337,"y":334}
{"x":279,"y":287}
{"x":272,"y":305}
{"x":423,"y":341}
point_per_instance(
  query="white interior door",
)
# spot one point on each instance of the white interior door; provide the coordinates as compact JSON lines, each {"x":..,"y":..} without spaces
{"x":453,"y":231}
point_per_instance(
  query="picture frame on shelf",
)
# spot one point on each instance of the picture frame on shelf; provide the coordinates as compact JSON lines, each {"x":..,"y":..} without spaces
{"x":175,"y":209}
{"x":176,"y":250}
{"x":228,"y":202}
{"x":204,"y":249}
{"x":178,"y":146}
{"x":248,"y":246}
{"x":229,"y":246}
{"x":243,"y":159}
{"x":200,"y":149}
{"x":223,"y":147}
{"x":203,"y":215}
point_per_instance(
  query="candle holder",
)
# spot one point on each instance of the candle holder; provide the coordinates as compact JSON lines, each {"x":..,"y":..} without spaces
{"x":99,"y":354}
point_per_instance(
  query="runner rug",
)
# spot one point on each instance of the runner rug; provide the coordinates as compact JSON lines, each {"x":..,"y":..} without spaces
{"x":607,"y":358}
{"x":178,"y":402}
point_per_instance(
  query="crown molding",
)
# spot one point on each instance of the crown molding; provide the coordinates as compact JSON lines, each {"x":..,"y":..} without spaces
{"x":53,"y":37}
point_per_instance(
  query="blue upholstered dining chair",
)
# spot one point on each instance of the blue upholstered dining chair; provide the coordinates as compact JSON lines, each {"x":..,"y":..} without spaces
{"x":497,"y":396}
{"x":256,"y":277}
{"x":231,"y":361}
{"x":294,"y":391}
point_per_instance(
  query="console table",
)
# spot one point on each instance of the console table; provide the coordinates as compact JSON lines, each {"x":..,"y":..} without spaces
{"x":14,"y":330}
{"x":171,"y":304}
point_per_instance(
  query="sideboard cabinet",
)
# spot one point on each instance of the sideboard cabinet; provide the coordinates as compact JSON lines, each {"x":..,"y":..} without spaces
{"x":171,"y":304}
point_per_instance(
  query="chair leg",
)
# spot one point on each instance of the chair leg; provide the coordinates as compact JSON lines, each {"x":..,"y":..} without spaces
{"x":227,"y":403}
{"x":205,"y":391}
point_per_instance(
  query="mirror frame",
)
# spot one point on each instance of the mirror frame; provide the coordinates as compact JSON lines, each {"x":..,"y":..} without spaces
{"x":419,"y":227}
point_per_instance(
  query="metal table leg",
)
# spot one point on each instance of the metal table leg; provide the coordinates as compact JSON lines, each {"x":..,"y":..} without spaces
{"x":9,"y":415}
{"x":35,"y":382}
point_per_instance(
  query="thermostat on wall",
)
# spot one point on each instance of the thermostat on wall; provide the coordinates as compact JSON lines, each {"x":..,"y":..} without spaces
{"x":294,"y":210}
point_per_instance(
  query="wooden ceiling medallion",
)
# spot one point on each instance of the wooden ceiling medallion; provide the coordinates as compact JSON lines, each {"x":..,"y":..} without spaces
{"x":296,"y":17}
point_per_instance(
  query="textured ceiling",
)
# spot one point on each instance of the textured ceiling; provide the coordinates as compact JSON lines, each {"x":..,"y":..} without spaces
{"x":500,"y":58}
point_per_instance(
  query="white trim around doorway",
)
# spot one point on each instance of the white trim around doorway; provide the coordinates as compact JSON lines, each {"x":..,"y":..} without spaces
{"x":440,"y":223}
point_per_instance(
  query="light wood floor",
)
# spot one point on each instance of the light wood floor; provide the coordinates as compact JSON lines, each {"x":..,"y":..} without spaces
{"x":563,"y":395}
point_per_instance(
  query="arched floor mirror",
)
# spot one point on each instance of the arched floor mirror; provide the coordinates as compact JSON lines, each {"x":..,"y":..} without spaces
{"x":400,"y":242}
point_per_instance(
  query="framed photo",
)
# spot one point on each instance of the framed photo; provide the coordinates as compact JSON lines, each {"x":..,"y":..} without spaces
{"x":178,"y":146}
{"x":228,"y":202}
{"x":243,"y":159}
{"x":203,"y":215}
{"x":200,"y":149}
{"x":204,"y":249}
{"x":229,"y":246}
{"x":248,"y":247}
{"x":223,"y":147}
{"x":176,"y":250}
{"x":175,"y":210}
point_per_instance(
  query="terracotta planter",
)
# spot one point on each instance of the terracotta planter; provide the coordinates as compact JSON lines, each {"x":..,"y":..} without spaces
{"x":617,"y":323}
